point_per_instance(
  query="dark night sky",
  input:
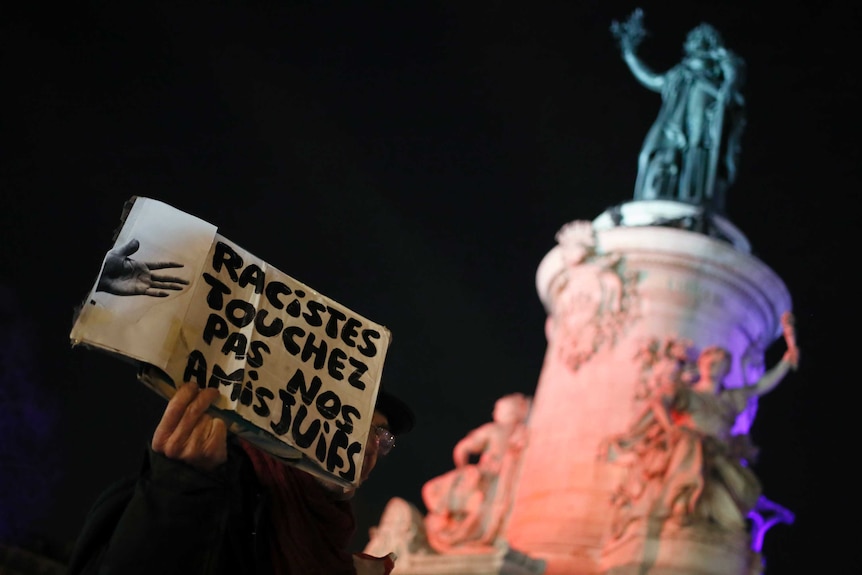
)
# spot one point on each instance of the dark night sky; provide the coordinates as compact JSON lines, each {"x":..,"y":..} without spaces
{"x":413,"y":161}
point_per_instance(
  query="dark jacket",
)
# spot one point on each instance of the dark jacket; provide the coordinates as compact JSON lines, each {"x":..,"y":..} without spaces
{"x":173,"y":518}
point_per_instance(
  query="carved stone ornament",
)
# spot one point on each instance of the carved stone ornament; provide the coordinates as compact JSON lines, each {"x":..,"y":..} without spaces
{"x":595,"y":297}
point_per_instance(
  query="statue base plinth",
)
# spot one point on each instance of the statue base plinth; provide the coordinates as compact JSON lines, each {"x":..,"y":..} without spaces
{"x":402,"y":531}
{"x":673,"y":214}
{"x":667,"y":549}
{"x":496,"y":561}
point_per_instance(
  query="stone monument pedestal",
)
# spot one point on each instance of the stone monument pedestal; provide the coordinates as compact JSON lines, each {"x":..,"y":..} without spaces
{"x":613,"y":291}
{"x":663,"y":549}
{"x":626,"y":294}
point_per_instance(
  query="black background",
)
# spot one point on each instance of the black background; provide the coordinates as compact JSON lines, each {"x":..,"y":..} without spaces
{"x":413,"y":161}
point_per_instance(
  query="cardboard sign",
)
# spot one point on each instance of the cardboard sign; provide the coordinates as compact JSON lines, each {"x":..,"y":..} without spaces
{"x":298,"y":372}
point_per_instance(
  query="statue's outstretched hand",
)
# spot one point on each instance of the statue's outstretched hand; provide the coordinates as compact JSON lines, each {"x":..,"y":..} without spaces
{"x":791,"y":356}
{"x":788,"y":323}
{"x":630,"y":33}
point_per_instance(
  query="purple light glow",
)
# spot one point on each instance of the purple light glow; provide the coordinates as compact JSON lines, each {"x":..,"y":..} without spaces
{"x":764,"y":516}
{"x":26,"y":426}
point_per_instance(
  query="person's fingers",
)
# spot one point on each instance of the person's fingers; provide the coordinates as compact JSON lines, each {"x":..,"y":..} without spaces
{"x":187,"y":433}
{"x":181,"y":415}
{"x":206,"y":446}
{"x":198,"y":439}
{"x":215,"y":443}
{"x":174,"y":412}
{"x":217,"y":438}
{"x":195,"y":410}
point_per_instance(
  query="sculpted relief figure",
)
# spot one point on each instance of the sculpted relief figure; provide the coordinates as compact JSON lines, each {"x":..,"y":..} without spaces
{"x":594,"y":300}
{"x":401,"y":531}
{"x":684,"y":462}
{"x":690,"y":154}
{"x":664,"y":363}
{"x":468,"y":505}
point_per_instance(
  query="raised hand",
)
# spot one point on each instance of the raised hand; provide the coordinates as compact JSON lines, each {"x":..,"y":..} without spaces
{"x":630,"y":33}
{"x":187,"y":433}
{"x":788,"y":323}
{"x":121,"y":275}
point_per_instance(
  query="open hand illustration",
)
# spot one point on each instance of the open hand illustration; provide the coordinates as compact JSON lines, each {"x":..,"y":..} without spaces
{"x":121,"y":275}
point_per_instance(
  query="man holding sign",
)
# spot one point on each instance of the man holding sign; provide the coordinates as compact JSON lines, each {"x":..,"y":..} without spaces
{"x":210,"y":503}
{"x":274,"y":416}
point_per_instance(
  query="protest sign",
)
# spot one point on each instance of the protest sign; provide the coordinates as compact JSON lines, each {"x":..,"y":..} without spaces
{"x":298,"y":372}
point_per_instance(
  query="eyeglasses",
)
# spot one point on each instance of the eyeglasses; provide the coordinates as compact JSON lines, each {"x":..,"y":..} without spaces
{"x":385,"y":439}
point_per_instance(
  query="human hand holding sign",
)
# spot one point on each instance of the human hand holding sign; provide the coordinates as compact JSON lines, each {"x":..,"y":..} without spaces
{"x":121,"y":275}
{"x":188,"y":433}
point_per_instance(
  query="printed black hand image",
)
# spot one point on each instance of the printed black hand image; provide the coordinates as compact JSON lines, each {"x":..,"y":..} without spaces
{"x":122,"y":275}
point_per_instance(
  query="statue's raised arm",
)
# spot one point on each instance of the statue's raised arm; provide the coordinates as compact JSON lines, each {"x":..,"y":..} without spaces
{"x":629,"y":35}
{"x":789,"y":361}
{"x":788,"y":326}
{"x":690,"y":154}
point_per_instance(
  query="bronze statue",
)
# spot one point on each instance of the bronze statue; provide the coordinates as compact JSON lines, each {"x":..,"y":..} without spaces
{"x":690,"y":153}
